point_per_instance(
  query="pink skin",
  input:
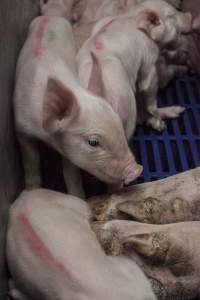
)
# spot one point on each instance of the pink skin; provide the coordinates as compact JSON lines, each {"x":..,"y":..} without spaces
{"x":90,"y":11}
{"x":132,"y":173}
{"x":37,"y":246}
{"x":39,"y":36}
{"x":98,"y":45}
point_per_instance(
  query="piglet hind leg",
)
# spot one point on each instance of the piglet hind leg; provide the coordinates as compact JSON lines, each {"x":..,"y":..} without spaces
{"x":148,"y":88}
{"x":73,"y":180}
{"x":154,"y":119}
{"x":171,"y":112}
{"x":31,"y":161}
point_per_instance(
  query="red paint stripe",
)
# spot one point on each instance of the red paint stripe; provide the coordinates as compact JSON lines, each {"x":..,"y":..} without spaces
{"x":98,"y":45}
{"x":39,"y":36}
{"x":38,"y":246}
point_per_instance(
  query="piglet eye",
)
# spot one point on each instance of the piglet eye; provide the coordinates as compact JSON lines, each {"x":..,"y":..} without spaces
{"x":93,"y":142}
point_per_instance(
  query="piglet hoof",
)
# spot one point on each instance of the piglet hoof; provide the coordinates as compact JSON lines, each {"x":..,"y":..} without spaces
{"x":171,"y":112}
{"x":157,"y":124}
{"x":108,"y":238}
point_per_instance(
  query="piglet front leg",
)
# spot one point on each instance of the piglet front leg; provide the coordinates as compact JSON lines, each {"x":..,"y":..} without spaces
{"x":147,"y":100}
{"x":31,"y":161}
{"x":73,"y":181}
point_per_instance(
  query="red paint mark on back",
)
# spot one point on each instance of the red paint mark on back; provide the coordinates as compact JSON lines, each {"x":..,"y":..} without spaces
{"x":39,"y":36}
{"x":98,"y":45}
{"x":38,"y":246}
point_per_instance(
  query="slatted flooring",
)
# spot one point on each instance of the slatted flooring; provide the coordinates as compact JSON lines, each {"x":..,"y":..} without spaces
{"x":177,"y":148}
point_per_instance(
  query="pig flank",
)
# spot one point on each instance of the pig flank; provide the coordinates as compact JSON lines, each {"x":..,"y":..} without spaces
{"x":56,"y":255}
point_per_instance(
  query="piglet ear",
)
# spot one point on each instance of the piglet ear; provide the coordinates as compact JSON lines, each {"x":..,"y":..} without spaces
{"x":150,"y":244}
{"x":196,"y":24}
{"x":95,"y":82}
{"x":60,"y":106}
{"x":142,"y":243}
{"x":151,"y":24}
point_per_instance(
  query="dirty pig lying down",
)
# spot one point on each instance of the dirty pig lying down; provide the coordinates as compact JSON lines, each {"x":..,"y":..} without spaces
{"x":56,"y":255}
{"x":50,"y":105}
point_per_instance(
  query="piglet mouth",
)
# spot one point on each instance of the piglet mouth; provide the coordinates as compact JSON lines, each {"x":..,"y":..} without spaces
{"x":134,"y":172}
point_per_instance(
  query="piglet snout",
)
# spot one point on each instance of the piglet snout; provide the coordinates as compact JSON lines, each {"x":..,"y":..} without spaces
{"x":132,"y":172}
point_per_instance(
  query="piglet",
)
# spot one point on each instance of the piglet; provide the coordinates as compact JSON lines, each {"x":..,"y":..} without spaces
{"x":173,"y":199}
{"x":50,"y":105}
{"x":98,"y":9}
{"x":53,"y":253}
{"x":168,"y":254}
{"x":187,"y":54}
{"x":191,"y":44}
{"x":124,"y":72}
{"x":116,"y":7}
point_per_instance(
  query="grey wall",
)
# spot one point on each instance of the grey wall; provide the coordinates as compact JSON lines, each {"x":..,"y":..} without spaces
{"x":15,"y":16}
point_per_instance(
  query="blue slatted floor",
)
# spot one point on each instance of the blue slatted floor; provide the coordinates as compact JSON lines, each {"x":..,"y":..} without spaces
{"x":177,"y":149}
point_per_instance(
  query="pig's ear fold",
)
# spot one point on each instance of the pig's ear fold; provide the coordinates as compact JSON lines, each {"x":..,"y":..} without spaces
{"x":95,"y":84}
{"x":150,"y":244}
{"x":78,"y":9}
{"x":141,"y":242}
{"x":196,"y":24}
{"x":60,"y":106}
{"x":150,"y":22}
